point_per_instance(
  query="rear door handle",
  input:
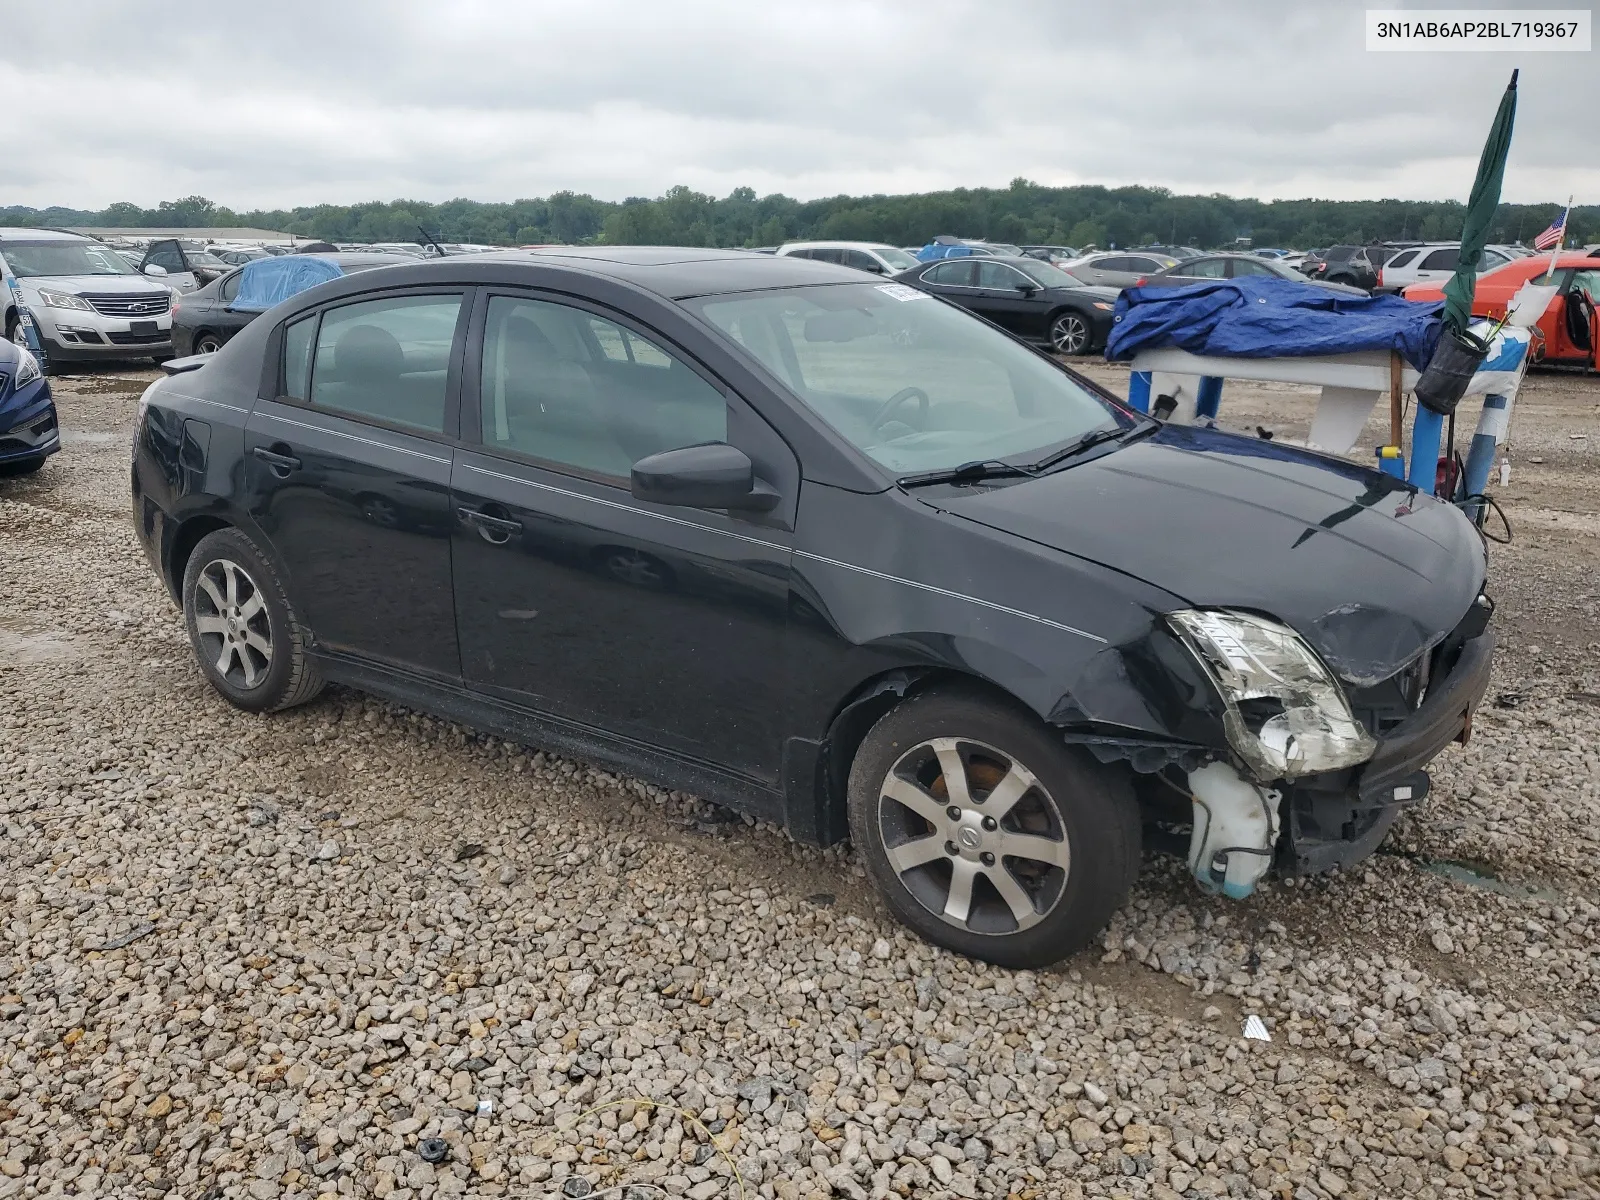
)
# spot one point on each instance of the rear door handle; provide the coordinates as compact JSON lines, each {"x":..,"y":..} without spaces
{"x":491,"y":528}
{"x":281,"y":464}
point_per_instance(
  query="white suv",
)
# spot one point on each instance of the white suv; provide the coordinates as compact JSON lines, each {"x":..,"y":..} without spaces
{"x":1431,"y":264}
{"x":875,"y":257}
{"x":88,"y":303}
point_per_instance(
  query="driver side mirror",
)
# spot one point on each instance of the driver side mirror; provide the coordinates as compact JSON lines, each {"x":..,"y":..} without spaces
{"x":154,"y":270}
{"x":1027,"y":289}
{"x":711,"y":475}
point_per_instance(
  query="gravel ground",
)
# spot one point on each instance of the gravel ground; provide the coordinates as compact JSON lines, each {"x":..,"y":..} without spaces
{"x":351,"y":949}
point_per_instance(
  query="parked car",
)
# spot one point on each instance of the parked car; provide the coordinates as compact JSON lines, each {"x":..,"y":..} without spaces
{"x":1051,"y":254}
{"x":1356,"y":266}
{"x":999,"y":606}
{"x":238,"y":256}
{"x":184,"y":266}
{"x":29,"y":431}
{"x":945,"y":246}
{"x":87,"y":302}
{"x":1432,"y":263}
{"x":204,"y":320}
{"x":873,"y":257}
{"x":1569,"y":331}
{"x":1210,"y":267}
{"x":1118,"y":268}
{"x":1037,"y":301}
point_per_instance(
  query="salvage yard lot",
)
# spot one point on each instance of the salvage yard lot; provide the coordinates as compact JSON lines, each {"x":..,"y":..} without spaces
{"x":269,"y":956}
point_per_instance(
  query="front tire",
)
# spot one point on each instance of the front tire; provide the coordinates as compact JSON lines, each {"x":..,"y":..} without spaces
{"x":244,"y":633}
{"x":988,"y":835}
{"x":1070,"y":333}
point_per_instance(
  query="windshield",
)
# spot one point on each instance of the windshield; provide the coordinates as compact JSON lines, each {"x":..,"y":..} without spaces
{"x":203,"y":258}
{"x":1046,"y":274}
{"x":29,"y":260}
{"x":916,"y":384}
{"x":898,"y":259}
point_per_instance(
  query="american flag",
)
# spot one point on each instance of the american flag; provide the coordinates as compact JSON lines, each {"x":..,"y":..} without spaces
{"x":1554,"y":235}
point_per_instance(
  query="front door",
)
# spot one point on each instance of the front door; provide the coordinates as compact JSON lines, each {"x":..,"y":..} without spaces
{"x":658,"y":623}
{"x":168,"y":255}
{"x":1005,"y":303}
{"x":348,"y":476}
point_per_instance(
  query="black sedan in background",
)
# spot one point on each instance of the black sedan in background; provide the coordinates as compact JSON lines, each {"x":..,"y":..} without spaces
{"x":1209,"y":268}
{"x":1035,"y":300}
{"x":816,"y":546}
{"x":204,"y":320}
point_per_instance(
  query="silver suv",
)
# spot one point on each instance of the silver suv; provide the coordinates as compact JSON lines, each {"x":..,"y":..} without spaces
{"x":88,"y":303}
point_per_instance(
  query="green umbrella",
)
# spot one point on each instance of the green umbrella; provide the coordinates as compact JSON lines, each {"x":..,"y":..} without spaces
{"x":1480,"y":213}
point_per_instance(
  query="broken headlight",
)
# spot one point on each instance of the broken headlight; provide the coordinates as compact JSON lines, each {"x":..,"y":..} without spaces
{"x":1285,"y":715}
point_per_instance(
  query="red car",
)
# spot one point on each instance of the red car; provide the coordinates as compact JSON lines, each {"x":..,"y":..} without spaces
{"x":1569,"y":331}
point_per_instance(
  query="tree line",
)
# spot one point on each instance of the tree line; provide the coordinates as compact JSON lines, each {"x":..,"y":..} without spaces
{"x":1024,"y":212}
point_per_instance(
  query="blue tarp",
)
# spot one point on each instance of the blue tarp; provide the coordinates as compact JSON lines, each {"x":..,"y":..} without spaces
{"x":1270,"y":318}
{"x":266,"y":281}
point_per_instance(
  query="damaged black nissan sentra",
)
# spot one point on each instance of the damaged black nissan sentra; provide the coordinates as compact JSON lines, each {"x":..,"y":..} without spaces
{"x":825,"y":550}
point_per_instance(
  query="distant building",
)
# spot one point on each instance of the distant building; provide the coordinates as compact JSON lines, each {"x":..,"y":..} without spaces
{"x":240,"y":234}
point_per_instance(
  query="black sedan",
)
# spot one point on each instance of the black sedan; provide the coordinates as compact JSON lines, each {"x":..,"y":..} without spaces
{"x":1035,"y":300}
{"x":204,"y":320}
{"x":1209,"y":268}
{"x":823,"y":549}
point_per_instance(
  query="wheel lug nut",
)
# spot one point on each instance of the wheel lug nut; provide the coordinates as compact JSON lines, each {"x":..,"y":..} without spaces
{"x":988,"y":859}
{"x":950,"y":848}
{"x":953,"y":812}
{"x":990,"y":824}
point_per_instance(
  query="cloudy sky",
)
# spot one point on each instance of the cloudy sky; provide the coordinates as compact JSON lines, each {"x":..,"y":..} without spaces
{"x":345,"y":100}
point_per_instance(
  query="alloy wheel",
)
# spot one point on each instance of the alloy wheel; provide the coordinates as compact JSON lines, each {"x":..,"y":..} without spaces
{"x":231,"y":619}
{"x":973,"y":836}
{"x":1069,"y":334}
{"x":207,"y":345}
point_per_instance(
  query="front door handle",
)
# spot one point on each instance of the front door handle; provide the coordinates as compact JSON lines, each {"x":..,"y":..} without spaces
{"x":280,"y":463}
{"x":494,"y":529}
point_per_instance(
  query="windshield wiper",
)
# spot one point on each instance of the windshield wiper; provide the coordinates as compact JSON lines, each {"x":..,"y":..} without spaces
{"x":1094,"y":437}
{"x":988,"y":468}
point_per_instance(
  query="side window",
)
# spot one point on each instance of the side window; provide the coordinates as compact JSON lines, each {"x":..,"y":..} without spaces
{"x":297,"y":357}
{"x":228,"y":288}
{"x":1442,"y":260}
{"x":1400,"y":260}
{"x":1490,"y":259}
{"x":798,"y":254}
{"x":862,"y":261}
{"x":167,"y":256}
{"x":828,"y":254}
{"x":1145,"y":266}
{"x":387,"y":359}
{"x":952,"y":273}
{"x":1243,"y":266}
{"x":1114,"y":263}
{"x":999,"y":277}
{"x":1586,"y":281}
{"x":572,"y":388}
{"x":1206,"y":268}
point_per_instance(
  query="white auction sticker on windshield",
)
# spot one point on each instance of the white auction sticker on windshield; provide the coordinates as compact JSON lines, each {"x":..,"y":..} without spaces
{"x":901,"y":292}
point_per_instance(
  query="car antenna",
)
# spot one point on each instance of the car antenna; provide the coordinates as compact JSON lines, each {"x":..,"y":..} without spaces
{"x":429,"y":239}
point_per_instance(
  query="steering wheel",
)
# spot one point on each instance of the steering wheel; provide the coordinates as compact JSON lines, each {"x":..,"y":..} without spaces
{"x":895,"y":401}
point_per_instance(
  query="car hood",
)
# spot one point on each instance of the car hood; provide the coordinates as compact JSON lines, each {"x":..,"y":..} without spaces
{"x":94,"y":284}
{"x":1365,"y":568}
{"x":1088,"y":291}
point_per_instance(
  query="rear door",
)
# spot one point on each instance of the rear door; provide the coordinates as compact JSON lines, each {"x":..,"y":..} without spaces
{"x":656,"y":623}
{"x":1437,"y":266}
{"x":955,"y":279}
{"x":348,"y":475}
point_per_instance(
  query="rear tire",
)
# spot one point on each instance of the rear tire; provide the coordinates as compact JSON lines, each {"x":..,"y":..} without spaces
{"x":244,"y":633}
{"x":207,"y":343}
{"x":1044,"y":849}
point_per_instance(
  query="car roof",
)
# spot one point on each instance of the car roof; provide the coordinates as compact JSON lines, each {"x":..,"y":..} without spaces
{"x":675,"y":272}
{"x":836,"y":246}
{"x":34,"y":234}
